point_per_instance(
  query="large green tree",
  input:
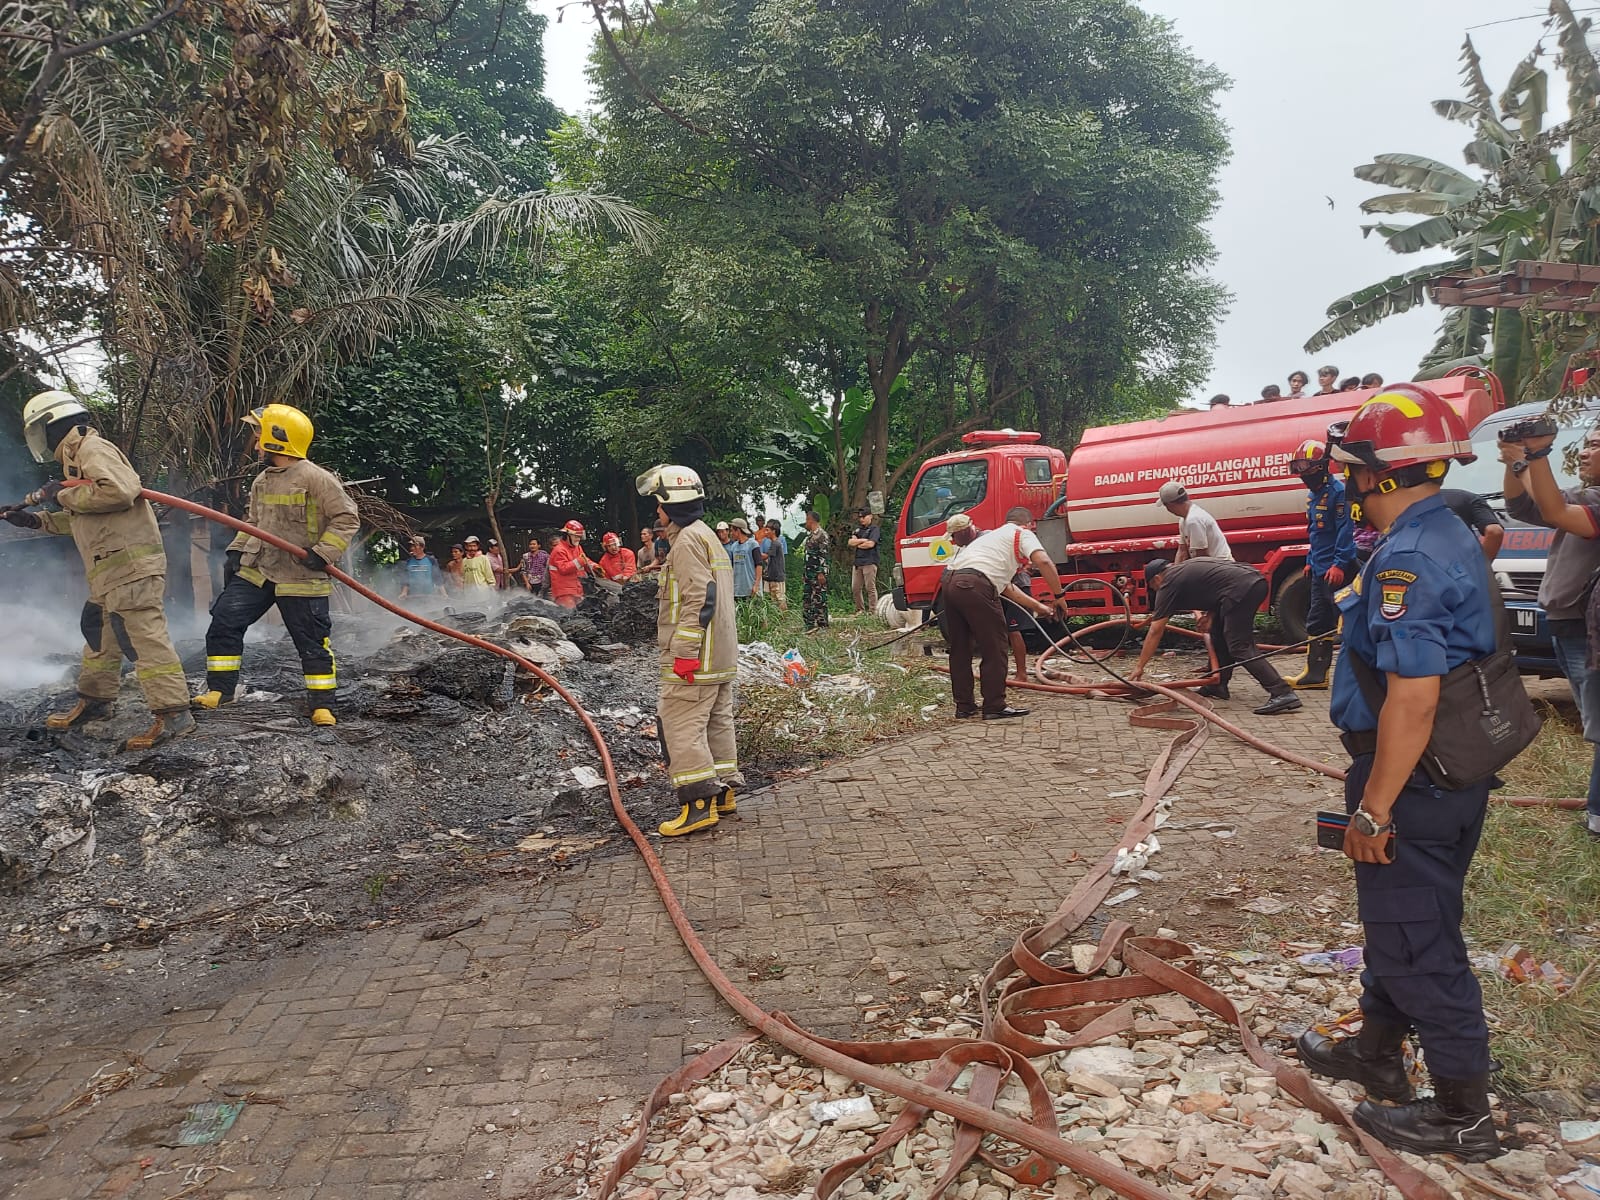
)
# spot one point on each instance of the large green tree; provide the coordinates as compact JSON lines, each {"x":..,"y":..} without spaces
{"x":1016,"y":194}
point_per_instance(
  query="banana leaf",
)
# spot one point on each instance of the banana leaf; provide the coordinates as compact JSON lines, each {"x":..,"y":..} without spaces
{"x":1365,"y":308}
{"x":1419,"y":174}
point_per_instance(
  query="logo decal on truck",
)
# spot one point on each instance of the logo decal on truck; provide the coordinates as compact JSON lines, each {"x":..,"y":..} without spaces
{"x":941,"y":549}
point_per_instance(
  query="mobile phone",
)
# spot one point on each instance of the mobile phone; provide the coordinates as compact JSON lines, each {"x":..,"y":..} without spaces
{"x":1330,"y":829}
{"x":1330,"y":832}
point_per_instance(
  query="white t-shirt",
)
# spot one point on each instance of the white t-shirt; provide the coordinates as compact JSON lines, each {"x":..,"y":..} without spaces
{"x":1201,"y":533}
{"x":999,"y":554}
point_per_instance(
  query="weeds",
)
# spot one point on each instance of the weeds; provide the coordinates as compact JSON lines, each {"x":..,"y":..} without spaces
{"x":1536,"y":883}
{"x":881,"y":696}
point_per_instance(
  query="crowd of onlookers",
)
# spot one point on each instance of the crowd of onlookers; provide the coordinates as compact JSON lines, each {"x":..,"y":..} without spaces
{"x":758,"y":553}
{"x":1328,"y":383}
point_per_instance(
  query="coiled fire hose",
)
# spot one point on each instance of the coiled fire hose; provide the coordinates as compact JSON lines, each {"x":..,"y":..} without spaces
{"x":1023,"y":1005}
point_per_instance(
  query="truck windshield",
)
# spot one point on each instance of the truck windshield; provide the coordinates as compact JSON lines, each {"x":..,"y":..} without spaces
{"x":1487,"y":475}
{"x":945,"y":490}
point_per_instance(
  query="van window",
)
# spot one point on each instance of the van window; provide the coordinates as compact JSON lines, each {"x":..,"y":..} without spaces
{"x":946,"y":490}
{"x":1036,"y":470}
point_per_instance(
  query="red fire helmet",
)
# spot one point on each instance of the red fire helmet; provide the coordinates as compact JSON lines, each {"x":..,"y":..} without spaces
{"x":573,"y":527}
{"x":1402,"y":426}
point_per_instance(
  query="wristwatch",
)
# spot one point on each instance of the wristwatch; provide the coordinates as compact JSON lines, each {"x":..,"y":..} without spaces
{"x":1518,"y":467}
{"x":1367,"y":825}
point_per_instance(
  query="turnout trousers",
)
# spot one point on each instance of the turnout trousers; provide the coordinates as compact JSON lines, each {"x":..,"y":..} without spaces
{"x":240,"y":605}
{"x":697,"y":734}
{"x":973,"y":618}
{"x":1417,"y":973}
{"x":129,"y":622}
{"x":1233,"y":636}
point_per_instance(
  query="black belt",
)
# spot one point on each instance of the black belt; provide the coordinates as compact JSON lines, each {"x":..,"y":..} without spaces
{"x":1359,"y":742}
{"x":968,"y":571}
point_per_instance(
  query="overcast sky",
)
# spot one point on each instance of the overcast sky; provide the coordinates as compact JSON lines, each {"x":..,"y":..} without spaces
{"x":1319,"y":86}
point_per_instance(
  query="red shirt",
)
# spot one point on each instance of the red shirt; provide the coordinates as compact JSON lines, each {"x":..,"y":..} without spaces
{"x":566,"y":569}
{"x":619,"y":564}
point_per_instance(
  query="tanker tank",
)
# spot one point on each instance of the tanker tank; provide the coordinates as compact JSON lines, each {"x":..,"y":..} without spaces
{"x":1233,"y":461}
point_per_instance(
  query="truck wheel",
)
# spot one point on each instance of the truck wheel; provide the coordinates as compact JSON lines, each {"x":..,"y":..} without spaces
{"x":1291,"y":607}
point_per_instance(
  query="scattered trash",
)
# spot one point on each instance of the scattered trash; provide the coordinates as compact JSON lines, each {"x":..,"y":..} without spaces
{"x":795,"y":668}
{"x":823,"y":1111}
{"x":1130,"y":861}
{"x":1517,"y":965}
{"x":1123,"y":795}
{"x":1581,"y":1131}
{"x":588,"y":777}
{"x":37,"y":1130}
{"x":1121,"y":897}
{"x":208,"y":1122}
{"x":1348,"y":959}
{"x":1267,"y":906}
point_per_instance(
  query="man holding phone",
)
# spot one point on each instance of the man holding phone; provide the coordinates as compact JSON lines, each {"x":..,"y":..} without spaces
{"x":1421,"y":607}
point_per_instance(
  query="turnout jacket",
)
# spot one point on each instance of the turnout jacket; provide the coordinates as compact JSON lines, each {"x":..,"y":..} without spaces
{"x":114,"y":529}
{"x":696,"y":608}
{"x":305,"y":506}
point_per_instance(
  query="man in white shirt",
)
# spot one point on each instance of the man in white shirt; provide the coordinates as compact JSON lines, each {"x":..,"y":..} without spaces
{"x":1199,"y":535}
{"x":971,"y":590}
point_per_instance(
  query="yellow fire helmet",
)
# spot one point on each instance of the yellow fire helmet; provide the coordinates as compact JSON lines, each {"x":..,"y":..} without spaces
{"x":38,"y":413}
{"x":253,"y":419}
{"x":285,"y":430}
{"x":671,"y":484}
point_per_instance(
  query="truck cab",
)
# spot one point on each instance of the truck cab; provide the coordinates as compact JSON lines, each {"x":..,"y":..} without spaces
{"x":996,"y":470}
{"x":1520,"y":565}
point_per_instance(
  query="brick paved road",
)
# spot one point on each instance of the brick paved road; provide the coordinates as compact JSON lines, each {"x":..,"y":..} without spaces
{"x":387,"y":1054}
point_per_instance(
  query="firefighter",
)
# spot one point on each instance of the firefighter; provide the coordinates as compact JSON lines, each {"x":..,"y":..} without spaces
{"x":568,"y":565}
{"x":618,"y":563}
{"x":117,"y":535}
{"x":306,"y":506}
{"x":1331,"y":561}
{"x":699,"y":654}
{"x":1420,"y":607}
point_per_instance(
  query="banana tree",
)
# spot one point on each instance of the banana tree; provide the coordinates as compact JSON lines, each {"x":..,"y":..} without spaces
{"x":1520,"y":201}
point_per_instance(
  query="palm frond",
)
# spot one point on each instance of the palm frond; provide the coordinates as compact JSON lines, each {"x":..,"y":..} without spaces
{"x":1365,"y":308}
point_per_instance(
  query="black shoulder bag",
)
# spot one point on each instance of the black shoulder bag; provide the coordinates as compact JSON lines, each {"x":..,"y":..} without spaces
{"x":1484,"y":718}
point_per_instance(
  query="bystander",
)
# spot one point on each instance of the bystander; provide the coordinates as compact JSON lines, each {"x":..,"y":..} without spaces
{"x":864,"y":577}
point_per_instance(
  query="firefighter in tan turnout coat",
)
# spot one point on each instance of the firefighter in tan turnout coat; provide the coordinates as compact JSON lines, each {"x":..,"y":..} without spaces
{"x":116,"y":533}
{"x":699,"y":654}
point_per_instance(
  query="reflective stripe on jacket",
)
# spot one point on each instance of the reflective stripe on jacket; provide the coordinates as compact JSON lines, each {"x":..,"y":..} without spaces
{"x":305,"y":506}
{"x":696,"y":612}
{"x":114,"y":529}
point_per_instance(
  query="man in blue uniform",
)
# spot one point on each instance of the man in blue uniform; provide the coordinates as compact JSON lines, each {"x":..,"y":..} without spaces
{"x":1419,"y":608}
{"x":1330,"y":563}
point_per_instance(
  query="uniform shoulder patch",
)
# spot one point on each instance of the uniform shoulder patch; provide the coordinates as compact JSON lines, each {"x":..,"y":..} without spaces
{"x":1393,"y":585}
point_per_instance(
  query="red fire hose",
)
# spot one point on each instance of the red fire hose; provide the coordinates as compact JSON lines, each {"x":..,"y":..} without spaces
{"x":1147,"y":959}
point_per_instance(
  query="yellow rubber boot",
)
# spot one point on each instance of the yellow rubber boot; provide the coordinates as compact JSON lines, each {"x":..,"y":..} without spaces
{"x":211,"y":700}
{"x":86,"y":709}
{"x":1319,"y":657}
{"x":727,"y":803}
{"x":323,"y":716}
{"x":700,"y":813}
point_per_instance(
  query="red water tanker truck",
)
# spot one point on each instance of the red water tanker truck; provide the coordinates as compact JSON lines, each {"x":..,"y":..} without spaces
{"x":1098,"y":514}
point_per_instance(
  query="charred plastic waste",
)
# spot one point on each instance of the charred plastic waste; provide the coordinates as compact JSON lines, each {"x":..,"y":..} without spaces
{"x":445,"y":756}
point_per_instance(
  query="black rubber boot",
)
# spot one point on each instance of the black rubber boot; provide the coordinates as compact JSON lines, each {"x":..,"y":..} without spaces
{"x":698,"y":812}
{"x":1456,"y":1120}
{"x":1375,"y":1058}
{"x":728,"y":802}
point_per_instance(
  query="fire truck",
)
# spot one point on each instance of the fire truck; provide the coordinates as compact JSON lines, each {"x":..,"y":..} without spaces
{"x":1098,"y":513}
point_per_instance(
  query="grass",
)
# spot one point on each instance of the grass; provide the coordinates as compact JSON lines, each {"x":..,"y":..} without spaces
{"x":1536,"y":883}
{"x":888,"y":690}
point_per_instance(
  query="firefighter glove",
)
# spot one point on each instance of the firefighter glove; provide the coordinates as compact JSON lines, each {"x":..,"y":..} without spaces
{"x":315,"y":561}
{"x":22,"y":518}
{"x":1334,"y":576}
{"x":231,"y":562}
{"x":684,"y":668}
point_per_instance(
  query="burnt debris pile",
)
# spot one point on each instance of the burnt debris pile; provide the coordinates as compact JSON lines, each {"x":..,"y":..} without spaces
{"x":444,"y":753}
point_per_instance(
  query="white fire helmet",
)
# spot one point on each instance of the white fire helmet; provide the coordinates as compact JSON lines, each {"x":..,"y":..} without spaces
{"x":40,"y":411}
{"x":671,"y":484}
